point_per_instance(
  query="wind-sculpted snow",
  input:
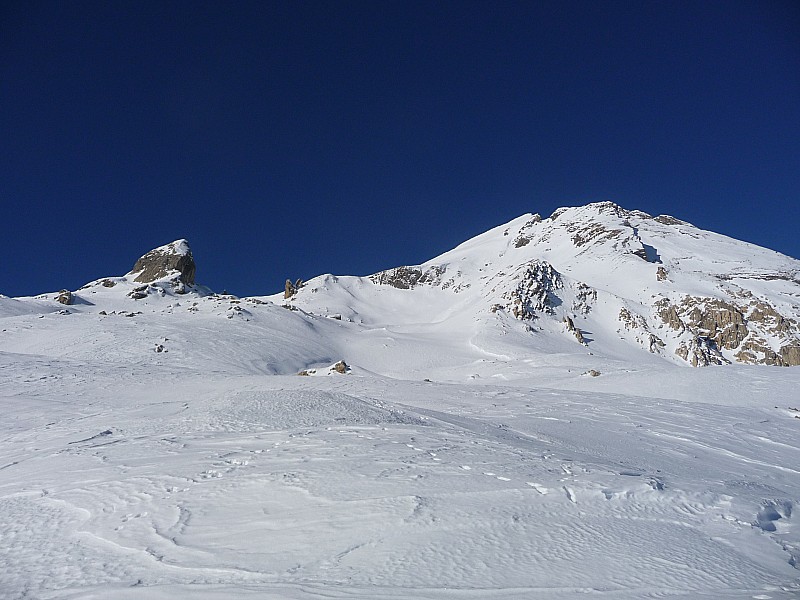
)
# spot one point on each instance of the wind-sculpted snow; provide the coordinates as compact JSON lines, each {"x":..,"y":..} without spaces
{"x":367,"y":487}
{"x":296,"y":408}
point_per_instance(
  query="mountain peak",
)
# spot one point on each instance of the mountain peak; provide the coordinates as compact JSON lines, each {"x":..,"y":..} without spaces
{"x":617,"y":281}
{"x":164,"y":261}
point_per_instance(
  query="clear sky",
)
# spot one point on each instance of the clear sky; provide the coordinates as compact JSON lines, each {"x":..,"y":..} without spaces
{"x":290,"y":139}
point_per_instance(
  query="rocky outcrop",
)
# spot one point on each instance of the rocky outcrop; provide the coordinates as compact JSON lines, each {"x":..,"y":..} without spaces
{"x":790,"y":355}
{"x":290,"y":289}
{"x":171,"y":259}
{"x":770,"y":319}
{"x":535,"y":291}
{"x":661,"y":274}
{"x":637,"y":324}
{"x":669,"y":315}
{"x":718,"y":320}
{"x":742,"y":325}
{"x":406,"y":278}
{"x":758,"y":351}
{"x":570,"y":324}
{"x":65,"y":297}
{"x":339,"y":368}
{"x":585,"y":296}
{"x":523,"y":238}
{"x":592,"y":232}
{"x":139,"y":292}
{"x":700,"y":352}
{"x":712,"y":318}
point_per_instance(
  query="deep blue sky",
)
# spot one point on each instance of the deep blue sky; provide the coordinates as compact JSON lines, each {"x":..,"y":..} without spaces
{"x":298,"y":138}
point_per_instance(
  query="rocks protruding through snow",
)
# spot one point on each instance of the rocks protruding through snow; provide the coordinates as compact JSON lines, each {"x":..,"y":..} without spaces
{"x":290,"y":289}
{"x":570,"y":324}
{"x":65,"y":297}
{"x":174,"y":258}
{"x":339,"y":368}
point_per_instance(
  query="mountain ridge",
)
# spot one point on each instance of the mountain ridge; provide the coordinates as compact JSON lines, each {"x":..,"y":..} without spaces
{"x":708,"y":313}
{"x":610,"y":281}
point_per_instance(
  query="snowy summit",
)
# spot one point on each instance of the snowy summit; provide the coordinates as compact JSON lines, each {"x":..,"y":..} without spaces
{"x":520,"y":417}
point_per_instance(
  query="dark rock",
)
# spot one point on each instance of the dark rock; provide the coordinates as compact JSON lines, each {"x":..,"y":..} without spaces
{"x":138,"y":293}
{"x":165,"y":261}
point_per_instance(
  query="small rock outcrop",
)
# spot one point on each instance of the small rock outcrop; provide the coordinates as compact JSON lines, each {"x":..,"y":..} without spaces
{"x":570,"y":324}
{"x":290,"y":289}
{"x":65,"y":297}
{"x":175,"y":258}
{"x":339,"y":368}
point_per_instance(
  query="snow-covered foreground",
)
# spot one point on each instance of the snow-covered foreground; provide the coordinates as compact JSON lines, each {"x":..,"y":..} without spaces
{"x":142,"y":481}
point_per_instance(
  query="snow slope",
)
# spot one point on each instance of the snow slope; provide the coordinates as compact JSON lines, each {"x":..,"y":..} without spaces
{"x":157,"y":442}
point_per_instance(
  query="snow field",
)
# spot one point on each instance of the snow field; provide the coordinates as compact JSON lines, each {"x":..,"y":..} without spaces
{"x":292,"y":485}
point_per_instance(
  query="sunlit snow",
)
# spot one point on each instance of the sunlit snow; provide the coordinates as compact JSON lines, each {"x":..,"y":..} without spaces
{"x":167,"y":448}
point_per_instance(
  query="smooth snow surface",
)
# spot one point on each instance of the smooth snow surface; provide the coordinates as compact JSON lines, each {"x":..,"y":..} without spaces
{"x":167,"y":449}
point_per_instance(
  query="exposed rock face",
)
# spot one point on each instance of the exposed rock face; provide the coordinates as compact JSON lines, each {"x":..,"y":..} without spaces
{"x":592,"y":233}
{"x":700,"y":352}
{"x":790,"y":355}
{"x":523,"y":239}
{"x":535,"y":291}
{"x":718,"y":320}
{"x":716,"y":325}
{"x":406,"y":278}
{"x":771,"y":319}
{"x":290,"y":289}
{"x":669,"y":314}
{"x":174,"y":258}
{"x":661,"y":274}
{"x":65,"y":297}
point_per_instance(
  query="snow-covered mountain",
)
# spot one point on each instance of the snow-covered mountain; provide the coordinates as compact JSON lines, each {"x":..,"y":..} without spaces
{"x":512,"y":419}
{"x":607,"y":278}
